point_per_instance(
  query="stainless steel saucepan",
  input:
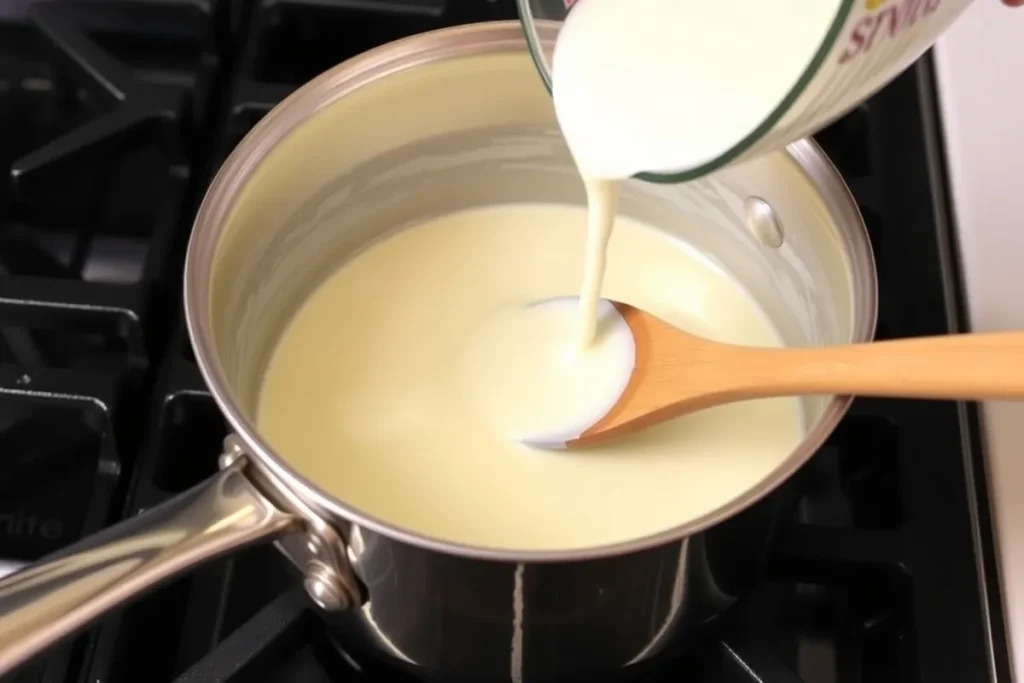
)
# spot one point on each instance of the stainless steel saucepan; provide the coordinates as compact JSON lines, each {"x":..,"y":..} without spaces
{"x":423,"y":126}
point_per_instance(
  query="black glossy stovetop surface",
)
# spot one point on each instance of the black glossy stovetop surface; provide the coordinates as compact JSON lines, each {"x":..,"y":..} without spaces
{"x":113,"y":117}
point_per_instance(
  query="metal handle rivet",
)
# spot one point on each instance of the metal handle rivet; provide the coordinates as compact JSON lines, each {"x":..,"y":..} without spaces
{"x":763,"y":222}
{"x":325,"y":588}
{"x":232,"y":451}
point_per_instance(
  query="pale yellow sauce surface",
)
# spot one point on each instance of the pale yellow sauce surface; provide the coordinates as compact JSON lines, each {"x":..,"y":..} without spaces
{"x":367,"y":393}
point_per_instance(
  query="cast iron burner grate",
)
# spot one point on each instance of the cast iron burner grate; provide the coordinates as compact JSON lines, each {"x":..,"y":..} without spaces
{"x":113,"y":116}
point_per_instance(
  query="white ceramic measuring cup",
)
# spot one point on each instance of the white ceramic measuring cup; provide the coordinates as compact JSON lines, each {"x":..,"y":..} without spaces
{"x":866,"y":44}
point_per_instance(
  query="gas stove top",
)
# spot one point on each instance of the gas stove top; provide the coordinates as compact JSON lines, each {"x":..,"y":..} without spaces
{"x":113,"y":118}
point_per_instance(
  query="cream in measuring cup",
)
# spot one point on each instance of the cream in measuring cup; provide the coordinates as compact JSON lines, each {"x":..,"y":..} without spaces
{"x":678,"y":88}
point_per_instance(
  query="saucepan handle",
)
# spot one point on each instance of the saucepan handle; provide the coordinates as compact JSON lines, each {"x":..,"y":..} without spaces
{"x":63,"y":592}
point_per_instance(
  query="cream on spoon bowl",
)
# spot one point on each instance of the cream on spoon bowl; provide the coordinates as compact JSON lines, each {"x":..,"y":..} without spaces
{"x":643,"y":371}
{"x":551,"y":383}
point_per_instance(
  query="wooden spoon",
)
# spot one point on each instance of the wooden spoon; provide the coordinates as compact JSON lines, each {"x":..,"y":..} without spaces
{"x":675,"y":373}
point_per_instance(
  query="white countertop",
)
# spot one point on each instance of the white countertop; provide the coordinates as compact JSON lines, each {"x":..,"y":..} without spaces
{"x":980,"y":73}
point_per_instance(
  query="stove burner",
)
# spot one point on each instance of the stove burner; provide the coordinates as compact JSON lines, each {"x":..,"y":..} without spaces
{"x":132,"y":109}
{"x":99,"y":172}
{"x":114,"y":116}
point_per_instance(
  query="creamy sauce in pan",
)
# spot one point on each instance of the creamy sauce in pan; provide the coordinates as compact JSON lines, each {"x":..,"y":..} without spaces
{"x":376,"y":390}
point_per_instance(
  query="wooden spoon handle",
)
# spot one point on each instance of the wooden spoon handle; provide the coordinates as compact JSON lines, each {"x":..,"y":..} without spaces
{"x":960,"y":366}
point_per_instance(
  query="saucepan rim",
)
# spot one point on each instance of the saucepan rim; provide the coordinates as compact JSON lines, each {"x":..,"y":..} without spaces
{"x":471,"y":39}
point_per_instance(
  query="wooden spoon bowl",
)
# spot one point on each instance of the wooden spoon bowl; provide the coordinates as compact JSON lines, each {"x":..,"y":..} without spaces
{"x":675,"y":372}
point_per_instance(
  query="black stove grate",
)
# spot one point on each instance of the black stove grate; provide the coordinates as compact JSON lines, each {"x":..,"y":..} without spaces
{"x":114,"y":115}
